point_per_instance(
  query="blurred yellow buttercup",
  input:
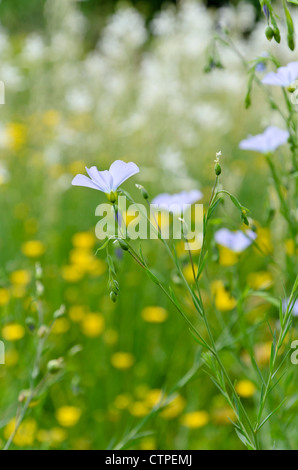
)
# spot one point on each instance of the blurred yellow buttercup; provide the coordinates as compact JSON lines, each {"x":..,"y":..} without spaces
{"x":13,"y":332}
{"x":92,"y":324}
{"x":68,"y":416}
{"x":122,"y":360}
{"x":245,"y":388}
{"x":4,"y":296}
{"x":195,"y":419}
{"x":33,"y":248}
{"x":223,"y":299}
{"x":154,"y":314}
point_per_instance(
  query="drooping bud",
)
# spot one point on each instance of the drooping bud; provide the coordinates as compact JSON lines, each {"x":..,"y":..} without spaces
{"x":143,"y":191}
{"x":113,"y":296}
{"x":244,"y":217}
{"x":276,"y":35}
{"x":269,"y":33}
{"x":290,"y":27}
{"x":123,"y":244}
{"x":114,"y":286}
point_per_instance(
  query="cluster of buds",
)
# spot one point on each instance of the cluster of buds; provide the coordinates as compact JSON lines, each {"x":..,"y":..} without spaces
{"x":114,"y":289}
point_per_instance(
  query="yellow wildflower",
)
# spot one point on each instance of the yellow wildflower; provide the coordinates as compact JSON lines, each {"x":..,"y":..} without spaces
{"x":11,"y":357}
{"x":68,"y":416}
{"x":20,"y":277}
{"x":224,"y":415}
{"x":25,"y":434}
{"x":138,"y":409}
{"x":61,"y":325}
{"x":148,"y":443}
{"x":154,"y":314}
{"x":174,"y":408}
{"x":227,"y":257}
{"x":245,"y":388}
{"x":4,"y":296}
{"x":223,"y":299}
{"x":33,"y":248}
{"x":17,"y":135}
{"x":122,"y":401}
{"x":122,"y":360}
{"x":92,"y":324}
{"x":259,"y":280}
{"x":76,"y":313}
{"x":84,"y":240}
{"x":195,"y":419}
{"x":72,"y":273}
{"x":13,"y":332}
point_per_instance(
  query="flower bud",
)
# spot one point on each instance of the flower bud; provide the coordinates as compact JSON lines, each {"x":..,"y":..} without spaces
{"x":217,"y":169}
{"x":269,"y":33}
{"x":55,"y":365}
{"x":114,"y":286}
{"x":276,"y":35}
{"x":113,"y":296}
{"x":244,"y":217}
{"x":112,"y":196}
{"x":291,"y":41}
{"x":123,"y":244}
{"x":143,"y":191}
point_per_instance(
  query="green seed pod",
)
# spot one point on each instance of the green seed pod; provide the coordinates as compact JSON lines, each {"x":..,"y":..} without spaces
{"x":114,"y":286}
{"x":276,"y":35}
{"x":217,"y":169}
{"x":291,"y":41}
{"x":113,"y":296}
{"x":269,"y":33}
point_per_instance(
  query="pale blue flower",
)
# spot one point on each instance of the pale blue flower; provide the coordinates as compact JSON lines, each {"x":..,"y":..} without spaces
{"x":284,"y":76}
{"x":107,"y":181}
{"x":261,"y":66}
{"x":295,"y":307}
{"x":267,"y":142}
{"x":175,"y":202}
{"x":236,"y":241}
